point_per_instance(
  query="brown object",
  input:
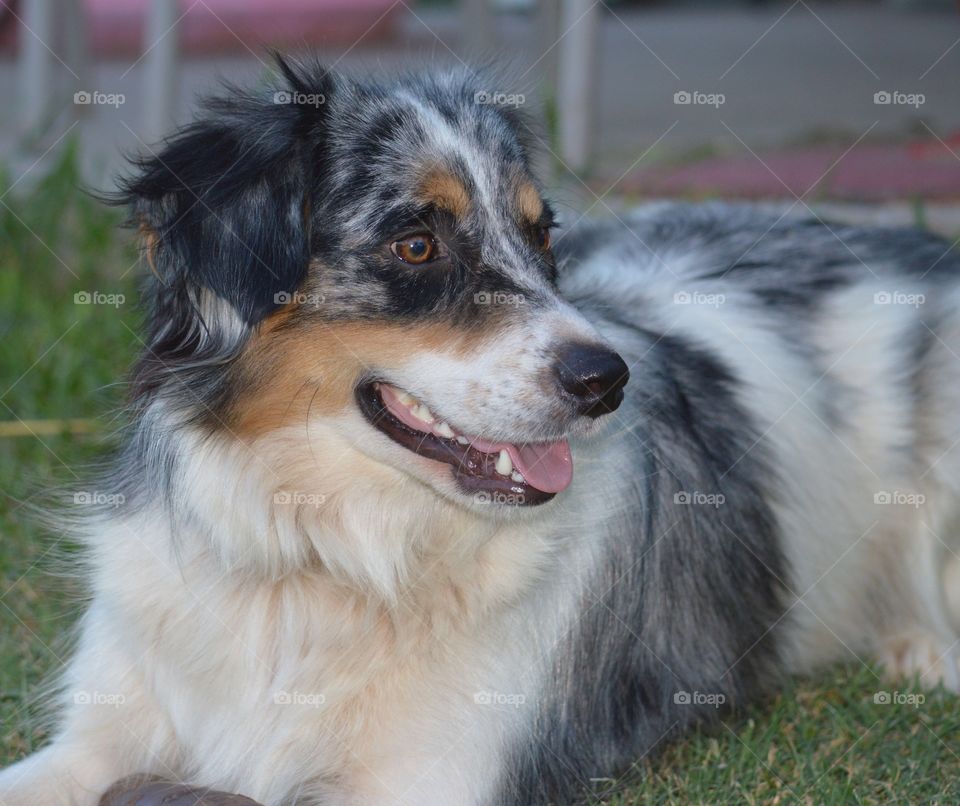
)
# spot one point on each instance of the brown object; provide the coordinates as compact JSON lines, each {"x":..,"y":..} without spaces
{"x":145,"y":790}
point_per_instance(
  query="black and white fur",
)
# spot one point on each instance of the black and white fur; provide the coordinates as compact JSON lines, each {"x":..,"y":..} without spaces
{"x":389,"y":640}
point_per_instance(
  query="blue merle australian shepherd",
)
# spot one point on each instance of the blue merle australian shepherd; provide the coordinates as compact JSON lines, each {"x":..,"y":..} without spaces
{"x":425,"y":503}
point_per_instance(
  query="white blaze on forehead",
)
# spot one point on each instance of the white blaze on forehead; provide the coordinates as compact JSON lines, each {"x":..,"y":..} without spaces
{"x":451,"y":142}
{"x":483,"y":169}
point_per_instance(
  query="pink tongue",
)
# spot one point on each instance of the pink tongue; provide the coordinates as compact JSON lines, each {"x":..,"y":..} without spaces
{"x":547,"y":466}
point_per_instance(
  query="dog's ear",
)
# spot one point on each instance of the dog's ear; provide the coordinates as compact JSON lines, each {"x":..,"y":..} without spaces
{"x":224,"y":206}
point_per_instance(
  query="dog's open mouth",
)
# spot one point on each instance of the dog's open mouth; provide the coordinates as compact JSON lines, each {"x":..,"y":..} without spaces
{"x":519,"y":474}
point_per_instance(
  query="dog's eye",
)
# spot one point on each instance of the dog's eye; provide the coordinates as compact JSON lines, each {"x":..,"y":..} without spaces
{"x":415,"y":249}
{"x":543,"y":238}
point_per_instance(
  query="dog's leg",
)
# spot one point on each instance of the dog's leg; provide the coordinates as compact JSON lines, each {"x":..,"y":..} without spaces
{"x":109,"y":727}
{"x":923,"y":642}
{"x":932,"y":560}
{"x":82,"y":762}
{"x":951,"y":587}
{"x":60,"y":773}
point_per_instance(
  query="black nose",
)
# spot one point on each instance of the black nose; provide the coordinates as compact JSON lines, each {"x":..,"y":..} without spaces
{"x":593,"y":375}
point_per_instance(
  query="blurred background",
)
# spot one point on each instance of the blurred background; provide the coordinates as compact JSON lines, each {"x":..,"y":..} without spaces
{"x":828,"y":101}
{"x":837,"y":109}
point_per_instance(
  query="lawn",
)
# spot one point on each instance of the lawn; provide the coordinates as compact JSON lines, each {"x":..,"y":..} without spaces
{"x":63,"y":357}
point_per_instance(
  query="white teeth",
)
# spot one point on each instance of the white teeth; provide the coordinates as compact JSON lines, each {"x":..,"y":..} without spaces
{"x":406,"y":398}
{"x":421,"y":412}
{"x":517,"y":477}
{"x":443,"y":430}
{"x":504,"y":464}
{"x":462,"y":439}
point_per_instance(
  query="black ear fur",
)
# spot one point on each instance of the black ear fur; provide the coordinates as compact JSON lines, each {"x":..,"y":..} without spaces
{"x":225,"y":203}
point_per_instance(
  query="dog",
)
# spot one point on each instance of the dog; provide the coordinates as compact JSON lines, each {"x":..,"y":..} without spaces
{"x":428,"y":502}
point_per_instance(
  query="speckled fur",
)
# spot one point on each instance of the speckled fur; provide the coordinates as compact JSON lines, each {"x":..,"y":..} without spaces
{"x":290,"y":605}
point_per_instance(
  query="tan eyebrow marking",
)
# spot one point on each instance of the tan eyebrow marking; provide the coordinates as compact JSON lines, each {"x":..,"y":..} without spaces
{"x":529,"y":202}
{"x":446,"y":191}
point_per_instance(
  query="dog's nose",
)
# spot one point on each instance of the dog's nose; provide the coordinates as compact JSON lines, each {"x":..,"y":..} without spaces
{"x":593,"y":375}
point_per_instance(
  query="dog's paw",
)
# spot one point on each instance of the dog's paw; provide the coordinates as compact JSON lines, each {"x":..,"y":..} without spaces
{"x":921,"y":655}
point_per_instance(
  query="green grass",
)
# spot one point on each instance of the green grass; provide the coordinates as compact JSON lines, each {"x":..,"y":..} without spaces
{"x":822,"y":741}
{"x":58,"y":360}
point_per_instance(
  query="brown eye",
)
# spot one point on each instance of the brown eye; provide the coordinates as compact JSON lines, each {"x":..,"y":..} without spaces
{"x":415,"y":249}
{"x":543,"y":239}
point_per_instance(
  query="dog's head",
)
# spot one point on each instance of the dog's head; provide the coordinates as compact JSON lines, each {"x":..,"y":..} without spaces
{"x":372,"y":262}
